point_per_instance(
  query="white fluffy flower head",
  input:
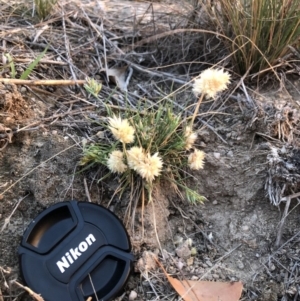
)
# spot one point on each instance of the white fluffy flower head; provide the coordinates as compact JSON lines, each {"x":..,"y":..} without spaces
{"x":147,"y":166}
{"x":121,"y":129}
{"x":190,"y":137}
{"x":196,"y":159}
{"x":211,"y":82}
{"x":115,"y":162}
{"x":134,"y":156}
{"x":150,"y":167}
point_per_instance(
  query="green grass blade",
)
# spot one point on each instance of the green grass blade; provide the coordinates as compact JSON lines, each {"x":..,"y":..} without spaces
{"x":12,"y":65}
{"x":33,"y":64}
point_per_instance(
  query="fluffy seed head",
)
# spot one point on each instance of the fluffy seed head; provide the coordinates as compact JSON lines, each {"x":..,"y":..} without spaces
{"x":196,"y":159}
{"x":115,"y":162}
{"x":147,"y":166}
{"x":211,"y":81}
{"x":190,"y":137}
{"x":150,"y":167}
{"x":121,"y":129}
{"x":135,"y":156}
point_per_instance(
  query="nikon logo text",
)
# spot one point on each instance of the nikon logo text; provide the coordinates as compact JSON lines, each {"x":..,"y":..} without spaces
{"x":73,"y":254}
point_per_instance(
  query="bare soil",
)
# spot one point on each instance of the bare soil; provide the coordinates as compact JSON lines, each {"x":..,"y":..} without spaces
{"x":251,"y":139}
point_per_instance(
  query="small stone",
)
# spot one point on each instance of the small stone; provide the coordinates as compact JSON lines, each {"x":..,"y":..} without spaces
{"x":240,"y":265}
{"x":230,"y":154}
{"x":180,"y":229}
{"x":190,"y":261}
{"x":23,"y":89}
{"x":165,"y":254}
{"x":205,"y":135}
{"x":215,"y":202}
{"x":245,"y":228}
{"x":272,"y":267}
{"x":189,"y":228}
{"x":217,"y":155}
{"x":180,"y":265}
{"x":183,"y":251}
{"x":194,"y":278}
{"x":178,"y":240}
{"x":215,"y":276}
{"x":100,"y":134}
{"x":208,"y":262}
{"x":132,"y":295}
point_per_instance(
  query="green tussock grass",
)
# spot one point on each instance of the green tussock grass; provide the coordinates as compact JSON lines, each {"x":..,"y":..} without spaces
{"x":44,"y":7}
{"x":261,"y":30}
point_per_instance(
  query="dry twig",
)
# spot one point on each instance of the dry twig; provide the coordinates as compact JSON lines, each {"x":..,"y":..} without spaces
{"x":34,"y":295}
{"x":45,"y":82}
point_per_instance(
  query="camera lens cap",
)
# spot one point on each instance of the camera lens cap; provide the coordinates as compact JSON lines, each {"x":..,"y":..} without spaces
{"x":76,"y":250}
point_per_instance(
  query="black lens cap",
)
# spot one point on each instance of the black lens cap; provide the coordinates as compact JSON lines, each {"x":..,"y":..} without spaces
{"x":76,"y":250}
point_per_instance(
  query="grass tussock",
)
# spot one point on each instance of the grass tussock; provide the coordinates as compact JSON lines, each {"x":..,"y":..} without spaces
{"x":144,"y":146}
{"x":44,"y":7}
{"x":148,"y":146}
{"x":261,"y":30}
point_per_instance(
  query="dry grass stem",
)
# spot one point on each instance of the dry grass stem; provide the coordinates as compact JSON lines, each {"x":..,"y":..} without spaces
{"x":37,"y":82}
{"x":34,"y":295}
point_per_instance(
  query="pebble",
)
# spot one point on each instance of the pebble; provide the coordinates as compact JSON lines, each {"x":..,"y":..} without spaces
{"x":240,"y":265}
{"x":132,"y":295}
{"x":245,"y":228}
{"x":180,"y":229}
{"x":190,"y":261}
{"x":23,"y":89}
{"x":208,"y":262}
{"x":183,"y":251}
{"x":178,"y":240}
{"x":272,"y":267}
{"x":230,"y":154}
{"x":215,"y":202}
{"x":217,"y":155}
{"x":165,"y":254}
{"x":180,"y":265}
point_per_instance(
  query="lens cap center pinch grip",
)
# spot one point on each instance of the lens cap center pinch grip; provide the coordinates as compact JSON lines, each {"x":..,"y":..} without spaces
{"x":76,"y":250}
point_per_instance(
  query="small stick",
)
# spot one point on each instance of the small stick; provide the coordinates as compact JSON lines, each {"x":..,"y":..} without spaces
{"x":7,"y":220}
{"x":34,"y":295}
{"x":42,"y":61}
{"x":281,"y":224}
{"x":1,"y":295}
{"x":87,"y":190}
{"x":292,"y":196}
{"x":45,"y":82}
